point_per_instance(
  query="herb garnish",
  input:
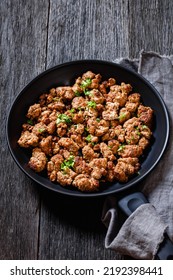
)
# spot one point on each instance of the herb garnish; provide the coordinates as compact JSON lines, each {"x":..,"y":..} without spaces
{"x":29,"y":121}
{"x":86,"y":83}
{"x":88,"y":138}
{"x":87,"y":92}
{"x":63,"y":118}
{"x":91,"y":104}
{"x":77,"y":93}
{"x":121,"y":147}
{"x":122,"y":116}
{"x":41,"y":130}
{"x":68,"y":163}
{"x":137,"y":131}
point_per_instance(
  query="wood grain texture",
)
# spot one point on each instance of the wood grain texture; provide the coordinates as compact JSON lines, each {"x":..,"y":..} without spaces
{"x":150,"y":26}
{"x":75,"y":228}
{"x":23,"y":52}
{"x":87,"y":30}
{"x":36,"y":35}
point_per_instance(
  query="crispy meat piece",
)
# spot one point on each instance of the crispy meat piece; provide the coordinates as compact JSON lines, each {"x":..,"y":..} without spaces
{"x":98,"y":162}
{"x":51,"y":127}
{"x":76,"y":129}
{"x":134,"y":98}
{"x":97,"y":127}
{"x":95,"y":82}
{"x":145,"y":131}
{"x":113,"y":145}
{"x":124,"y":115}
{"x":99,"y":167}
{"x":38,"y":160}
{"x":126,"y":168}
{"x":44,"y":116}
{"x":110,"y":176}
{"x":34,"y":111}
{"x":69,"y":144}
{"x":86,"y":183}
{"x":79,"y":102}
{"x":66,"y":93}
{"x":62,"y":129}
{"x":28,"y":139}
{"x":132,"y":136}
{"x":55,"y":146}
{"x":46,"y":145}
{"x":131,"y":123}
{"x":65,"y":153}
{"x":77,"y":138}
{"x":106,"y":152}
{"x":111,"y":112}
{"x":79,"y":128}
{"x":39,"y":129}
{"x":53,"y":166}
{"x":143,"y":143}
{"x":88,"y":75}
{"x":109,"y":135}
{"x":81,"y":166}
{"x":120,"y":133}
{"x":117,"y":96}
{"x":78,"y":117}
{"x":102,"y":127}
{"x":90,"y":113}
{"x":66,"y":178}
{"x":56,"y":105}
{"x":27,"y":126}
{"x":126,"y":151}
{"x":145,"y":115}
{"x":96,"y":96}
{"x":88,"y":153}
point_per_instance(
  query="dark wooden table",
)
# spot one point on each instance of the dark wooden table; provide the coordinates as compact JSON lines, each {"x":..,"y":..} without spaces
{"x":36,"y":35}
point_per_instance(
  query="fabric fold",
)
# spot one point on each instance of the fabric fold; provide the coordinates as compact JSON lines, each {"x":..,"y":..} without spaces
{"x":140,"y":236}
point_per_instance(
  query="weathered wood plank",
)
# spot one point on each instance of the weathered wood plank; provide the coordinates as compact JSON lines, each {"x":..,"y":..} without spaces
{"x":150,"y":26}
{"x":71,"y":228}
{"x":23,"y":52}
{"x":87,"y":29}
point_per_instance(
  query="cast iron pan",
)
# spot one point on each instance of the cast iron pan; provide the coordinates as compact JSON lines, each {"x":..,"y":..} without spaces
{"x":65,"y":74}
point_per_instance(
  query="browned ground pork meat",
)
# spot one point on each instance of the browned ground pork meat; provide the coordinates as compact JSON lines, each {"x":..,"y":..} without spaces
{"x":91,"y":132}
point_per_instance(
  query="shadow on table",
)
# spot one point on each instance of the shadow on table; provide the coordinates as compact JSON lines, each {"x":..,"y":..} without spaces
{"x":81,"y":212}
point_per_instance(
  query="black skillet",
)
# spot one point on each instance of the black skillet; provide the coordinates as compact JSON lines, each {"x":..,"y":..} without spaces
{"x":65,"y":74}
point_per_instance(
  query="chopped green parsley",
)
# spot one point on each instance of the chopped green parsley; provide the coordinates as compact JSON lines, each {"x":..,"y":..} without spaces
{"x":88,"y":138}
{"x":91,"y":104}
{"x":77,"y":93}
{"x":30,"y":122}
{"x":87,"y":92}
{"x":63,"y":118}
{"x":121,"y":147}
{"x":86,"y":83}
{"x":68,"y":163}
{"x":122,"y":116}
{"x":41,"y":130}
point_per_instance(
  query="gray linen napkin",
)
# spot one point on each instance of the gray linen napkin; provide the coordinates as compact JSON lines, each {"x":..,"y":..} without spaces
{"x":142,"y":233}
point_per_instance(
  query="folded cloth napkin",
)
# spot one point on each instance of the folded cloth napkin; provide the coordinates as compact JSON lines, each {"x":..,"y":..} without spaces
{"x":143,"y":232}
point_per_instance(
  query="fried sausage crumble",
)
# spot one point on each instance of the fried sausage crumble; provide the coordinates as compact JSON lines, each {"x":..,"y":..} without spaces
{"x":91,"y":132}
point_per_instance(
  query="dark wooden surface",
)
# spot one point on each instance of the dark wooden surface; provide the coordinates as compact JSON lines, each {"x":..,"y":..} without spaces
{"x":36,"y":35}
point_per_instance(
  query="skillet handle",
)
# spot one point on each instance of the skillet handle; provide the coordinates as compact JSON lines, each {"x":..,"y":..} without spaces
{"x":128,"y":205}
